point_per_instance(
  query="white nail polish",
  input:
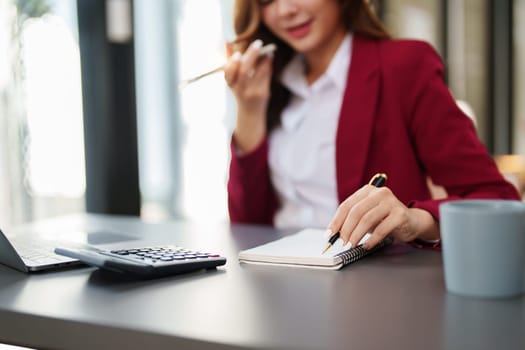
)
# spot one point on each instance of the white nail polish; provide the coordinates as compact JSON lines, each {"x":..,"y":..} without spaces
{"x":328,"y":233}
{"x":257,"y":44}
{"x":365,"y":238}
{"x":348,"y":245}
{"x":236,"y":56}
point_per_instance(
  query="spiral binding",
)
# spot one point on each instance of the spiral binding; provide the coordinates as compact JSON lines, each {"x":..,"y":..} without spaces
{"x":358,"y":252}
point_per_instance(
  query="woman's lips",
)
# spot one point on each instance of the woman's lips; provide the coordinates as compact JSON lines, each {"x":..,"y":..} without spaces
{"x":300,"y":30}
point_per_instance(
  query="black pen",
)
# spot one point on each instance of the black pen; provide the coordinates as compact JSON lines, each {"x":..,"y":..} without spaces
{"x":377,"y":180}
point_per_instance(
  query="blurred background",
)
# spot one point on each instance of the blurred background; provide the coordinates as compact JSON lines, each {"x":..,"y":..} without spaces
{"x":92,"y":117}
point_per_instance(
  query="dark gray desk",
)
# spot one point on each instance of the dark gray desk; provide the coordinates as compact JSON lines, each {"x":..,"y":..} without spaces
{"x":394,"y":299}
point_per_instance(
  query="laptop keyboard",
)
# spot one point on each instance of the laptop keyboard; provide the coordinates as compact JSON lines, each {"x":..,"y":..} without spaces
{"x":38,"y":253}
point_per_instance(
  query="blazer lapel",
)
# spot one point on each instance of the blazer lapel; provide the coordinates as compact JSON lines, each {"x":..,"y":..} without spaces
{"x":357,"y":115}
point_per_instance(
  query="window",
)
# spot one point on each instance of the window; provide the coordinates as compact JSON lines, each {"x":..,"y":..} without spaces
{"x":41,"y":146}
{"x":414,"y":19}
{"x":183,"y":133}
{"x":468,"y":58}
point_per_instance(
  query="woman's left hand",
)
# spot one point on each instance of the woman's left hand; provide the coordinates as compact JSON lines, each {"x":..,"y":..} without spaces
{"x":377,"y":210}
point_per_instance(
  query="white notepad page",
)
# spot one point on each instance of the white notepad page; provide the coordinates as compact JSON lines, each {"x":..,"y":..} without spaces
{"x":302,"y":248}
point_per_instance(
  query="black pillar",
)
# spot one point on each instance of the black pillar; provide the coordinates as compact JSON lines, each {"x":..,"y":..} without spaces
{"x":109,"y":104}
{"x":500,"y":77}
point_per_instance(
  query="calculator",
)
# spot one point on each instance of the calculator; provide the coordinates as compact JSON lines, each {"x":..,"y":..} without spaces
{"x":154,"y":261}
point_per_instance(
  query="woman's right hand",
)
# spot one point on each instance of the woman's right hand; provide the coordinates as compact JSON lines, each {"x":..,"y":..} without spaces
{"x":249,"y":76}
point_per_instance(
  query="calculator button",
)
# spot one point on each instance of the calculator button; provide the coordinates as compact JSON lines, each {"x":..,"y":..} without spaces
{"x":120,"y":252}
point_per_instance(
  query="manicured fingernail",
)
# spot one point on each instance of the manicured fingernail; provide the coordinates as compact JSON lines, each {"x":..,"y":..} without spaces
{"x":328,"y":233}
{"x":236,"y":56}
{"x":348,"y":245}
{"x":257,"y":44}
{"x":365,"y":238}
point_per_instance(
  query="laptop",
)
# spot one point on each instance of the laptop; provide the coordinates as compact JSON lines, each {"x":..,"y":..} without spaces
{"x":140,"y":257}
{"x":31,"y":251}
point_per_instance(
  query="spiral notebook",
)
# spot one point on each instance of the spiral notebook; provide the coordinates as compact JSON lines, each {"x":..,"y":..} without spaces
{"x":303,"y":249}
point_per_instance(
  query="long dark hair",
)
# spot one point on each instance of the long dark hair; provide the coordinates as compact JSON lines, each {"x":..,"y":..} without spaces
{"x":357,"y":15}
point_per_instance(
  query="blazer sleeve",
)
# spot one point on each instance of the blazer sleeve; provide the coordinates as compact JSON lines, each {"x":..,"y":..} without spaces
{"x":251,"y":197}
{"x":447,"y":142}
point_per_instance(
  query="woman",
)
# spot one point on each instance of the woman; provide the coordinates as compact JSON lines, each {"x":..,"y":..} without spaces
{"x":338,"y":102}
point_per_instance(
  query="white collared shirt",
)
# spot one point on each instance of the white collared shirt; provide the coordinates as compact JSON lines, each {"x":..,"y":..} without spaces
{"x":302,"y":149}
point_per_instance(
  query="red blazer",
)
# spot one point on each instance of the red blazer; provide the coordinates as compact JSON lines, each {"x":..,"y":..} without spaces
{"x":397,"y":117}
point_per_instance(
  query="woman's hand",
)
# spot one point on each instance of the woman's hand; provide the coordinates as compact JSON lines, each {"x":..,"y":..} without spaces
{"x":377,"y":210}
{"x":248,"y":75}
